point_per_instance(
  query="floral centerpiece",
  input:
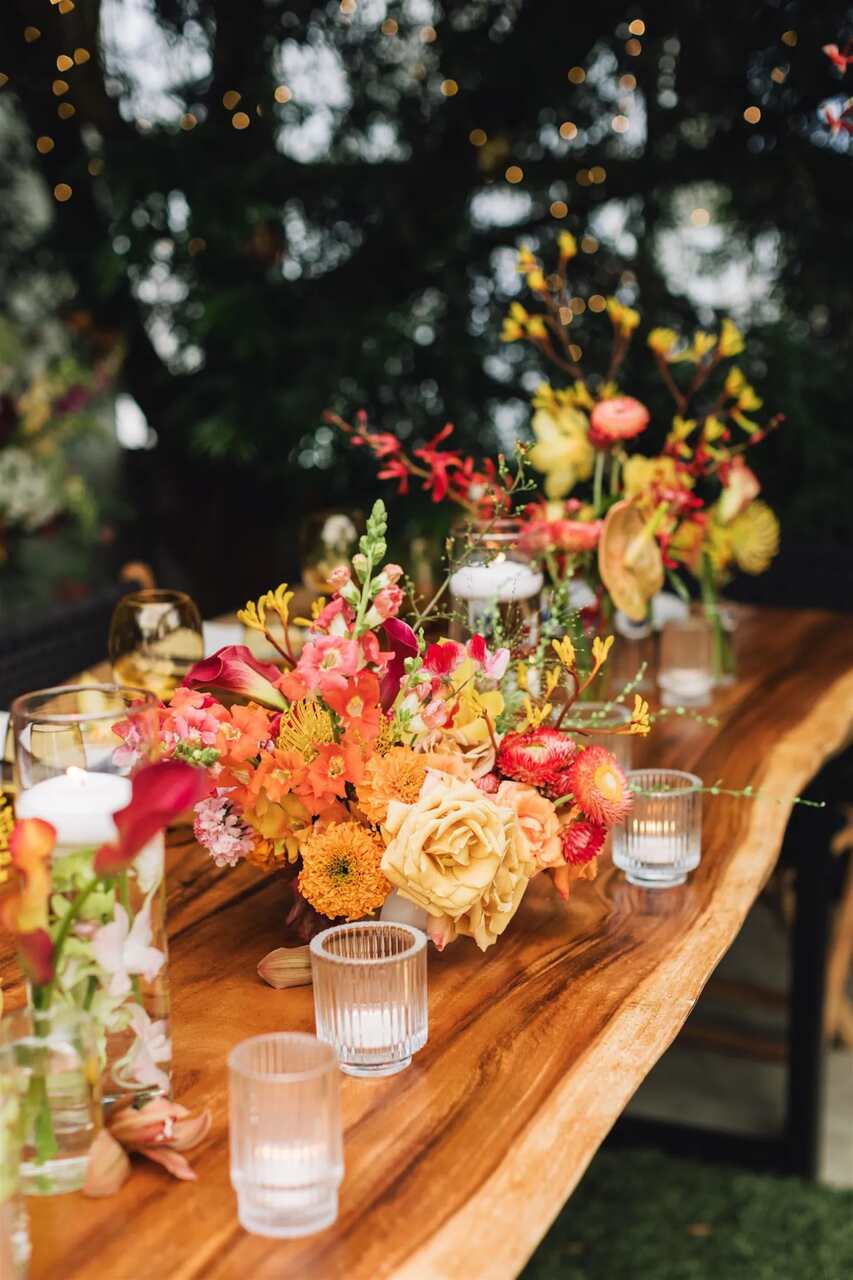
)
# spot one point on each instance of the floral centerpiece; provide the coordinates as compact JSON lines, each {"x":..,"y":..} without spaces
{"x":620,"y":521}
{"x":376,"y":761}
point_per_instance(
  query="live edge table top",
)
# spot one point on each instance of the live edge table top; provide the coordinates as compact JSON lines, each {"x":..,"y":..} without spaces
{"x":457,"y":1166}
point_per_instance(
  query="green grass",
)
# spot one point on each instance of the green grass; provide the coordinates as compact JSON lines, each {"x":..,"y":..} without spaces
{"x":638,"y":1215}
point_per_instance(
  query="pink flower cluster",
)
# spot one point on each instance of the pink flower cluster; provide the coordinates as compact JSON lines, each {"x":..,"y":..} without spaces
{"x":218,"y":829}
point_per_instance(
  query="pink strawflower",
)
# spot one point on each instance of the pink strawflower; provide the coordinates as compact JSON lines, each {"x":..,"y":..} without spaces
{"x":581,"y":842}
{"x":218,"y":829}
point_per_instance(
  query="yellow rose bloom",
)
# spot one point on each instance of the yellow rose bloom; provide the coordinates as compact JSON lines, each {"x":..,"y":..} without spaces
{"x":460,"y":856}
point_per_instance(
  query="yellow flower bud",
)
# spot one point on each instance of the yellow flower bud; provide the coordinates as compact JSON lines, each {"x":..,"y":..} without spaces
{"x":568,"y":245}
{"x":536,"y":328}
{"x":731,"y":339}
{"x":536,"y":281}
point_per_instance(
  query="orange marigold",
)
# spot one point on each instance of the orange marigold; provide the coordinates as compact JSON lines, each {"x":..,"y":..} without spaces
{"x":340,"y":871}
{"x":398,"y":775}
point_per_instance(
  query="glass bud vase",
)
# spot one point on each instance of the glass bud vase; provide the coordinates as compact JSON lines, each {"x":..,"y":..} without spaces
{"x":58,"y":1083}
{"x":14,"y":1228}
{"x":74,"y":749}
{"x":496,"y":586}
{"x":117,"y":967}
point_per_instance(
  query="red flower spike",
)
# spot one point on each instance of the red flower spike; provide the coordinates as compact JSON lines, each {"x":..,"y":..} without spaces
{"x":160,"y":792}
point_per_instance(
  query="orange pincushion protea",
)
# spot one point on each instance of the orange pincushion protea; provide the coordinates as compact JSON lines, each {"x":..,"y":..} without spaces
{"x":340,"y":874}
{"x":398,"y":775}
{"x":599,"y":786}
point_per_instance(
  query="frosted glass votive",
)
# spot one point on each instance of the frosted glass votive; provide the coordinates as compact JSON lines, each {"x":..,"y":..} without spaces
{"x":285,"y":1134}
{"x":686,"y":668}
{"x":660,"y":841}
{"x":370,"y":994}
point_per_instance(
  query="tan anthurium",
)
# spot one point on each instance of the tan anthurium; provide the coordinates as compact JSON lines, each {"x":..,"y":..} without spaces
{"x":629,"y":560}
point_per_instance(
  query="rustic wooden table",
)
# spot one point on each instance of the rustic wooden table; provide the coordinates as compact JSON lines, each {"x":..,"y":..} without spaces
{"x":456,"y":1167}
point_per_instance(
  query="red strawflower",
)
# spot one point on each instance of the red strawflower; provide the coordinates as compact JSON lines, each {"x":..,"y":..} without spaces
{"x":582,"y":842}
{"x":599,"y":786}
{"x":536,"y":757}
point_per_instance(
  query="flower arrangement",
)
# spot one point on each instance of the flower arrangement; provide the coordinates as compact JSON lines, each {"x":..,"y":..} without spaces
{"x":376,"y":761}
{"x":40,"y":417}
{"x":621,"y":521}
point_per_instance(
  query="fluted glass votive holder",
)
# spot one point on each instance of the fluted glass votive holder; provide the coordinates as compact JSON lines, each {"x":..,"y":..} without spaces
{"x":370,"y":994}
{"x":285,"y":1134}
{"x":660,"y":841}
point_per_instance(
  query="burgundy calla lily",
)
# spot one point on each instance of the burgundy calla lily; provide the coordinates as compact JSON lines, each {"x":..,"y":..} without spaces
{"x":235,"y":669}
{"x":404,"y":644}
{"x":160,"y":792}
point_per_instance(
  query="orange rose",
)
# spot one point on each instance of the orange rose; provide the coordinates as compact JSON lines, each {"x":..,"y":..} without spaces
{"x":538,"y":821}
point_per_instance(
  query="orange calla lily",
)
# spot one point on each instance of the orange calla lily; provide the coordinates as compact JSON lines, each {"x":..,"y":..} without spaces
{"x":629,"y":560}
{"x":30,"y":844}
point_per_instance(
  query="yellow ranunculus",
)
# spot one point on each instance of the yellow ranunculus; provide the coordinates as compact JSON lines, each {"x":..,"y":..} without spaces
{"x":460,"y":856}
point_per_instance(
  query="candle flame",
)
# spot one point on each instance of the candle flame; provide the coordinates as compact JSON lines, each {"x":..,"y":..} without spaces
{"x":76,"y":773}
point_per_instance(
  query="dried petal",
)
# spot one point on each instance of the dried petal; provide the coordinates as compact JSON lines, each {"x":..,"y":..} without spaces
{"x":108,"y":1167}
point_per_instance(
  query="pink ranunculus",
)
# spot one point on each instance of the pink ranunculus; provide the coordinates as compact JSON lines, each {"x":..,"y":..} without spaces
{"x":235,"y":669}
{"x":404,"y":644}
{"x":492,"y":665}
{"x":443,"y":659}
{"x":328,"y":662}
{"x":619,"y":418}
{"x":538,"y":822}
{"x":159,"y":793}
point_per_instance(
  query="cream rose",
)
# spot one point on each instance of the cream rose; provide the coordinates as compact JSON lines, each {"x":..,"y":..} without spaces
{"x":460,"y":856}
{"x":538,"y":821}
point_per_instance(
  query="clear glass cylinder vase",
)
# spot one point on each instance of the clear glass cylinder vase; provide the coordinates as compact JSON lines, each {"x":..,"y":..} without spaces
{"x":58,"y":1085}
{"x":496,"y":585}
{"x":75,"y":748}
{"x":14,"y":1227}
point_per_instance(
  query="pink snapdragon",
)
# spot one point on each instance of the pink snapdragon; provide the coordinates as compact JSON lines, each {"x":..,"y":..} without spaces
{"x":328,"y":662}
{"x":219,"y":830}
{"x":492,"y":665}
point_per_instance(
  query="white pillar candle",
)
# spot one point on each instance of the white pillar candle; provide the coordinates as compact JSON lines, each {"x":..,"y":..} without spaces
{"x":79,"y":804}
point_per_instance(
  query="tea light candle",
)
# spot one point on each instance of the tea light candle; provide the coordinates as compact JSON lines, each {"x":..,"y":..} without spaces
{"x":80,"y":804}
{"x":653,"y":842}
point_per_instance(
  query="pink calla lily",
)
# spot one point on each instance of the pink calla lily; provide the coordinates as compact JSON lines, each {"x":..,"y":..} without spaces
{"x":160,"y":792}
{"x":235,"y":669}
{"x":404,"y":644}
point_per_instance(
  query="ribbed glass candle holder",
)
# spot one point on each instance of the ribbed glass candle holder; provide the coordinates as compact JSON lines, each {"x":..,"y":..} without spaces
{"x":285,"y":1134}
{"x":660,"y":841}
{"x":370,"y":995}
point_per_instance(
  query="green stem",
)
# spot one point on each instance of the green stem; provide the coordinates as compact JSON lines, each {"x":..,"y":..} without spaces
{"x":614,"y":475}
{"x":598,"y":482}
{"x":712,"y":613}
{"x":45,"y":994}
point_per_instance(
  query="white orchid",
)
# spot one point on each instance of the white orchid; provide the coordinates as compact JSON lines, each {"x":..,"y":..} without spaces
{"x":150,"y":1046}
{"x":122,"y":949}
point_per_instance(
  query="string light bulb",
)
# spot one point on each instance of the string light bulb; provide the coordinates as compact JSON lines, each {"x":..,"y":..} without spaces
{"x":62,"y":192}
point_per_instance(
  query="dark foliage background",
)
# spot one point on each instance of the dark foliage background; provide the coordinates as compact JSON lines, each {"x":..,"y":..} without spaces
{"x":348,"y":245}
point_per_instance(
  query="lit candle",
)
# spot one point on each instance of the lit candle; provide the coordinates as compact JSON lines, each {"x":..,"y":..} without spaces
{"x":652,"y":842}
{"x":80,"y":804}
{"x":501,"y":580}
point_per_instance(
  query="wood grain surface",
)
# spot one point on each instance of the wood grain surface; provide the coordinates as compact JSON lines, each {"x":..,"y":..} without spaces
{"x":456,"y":1167}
